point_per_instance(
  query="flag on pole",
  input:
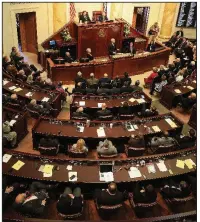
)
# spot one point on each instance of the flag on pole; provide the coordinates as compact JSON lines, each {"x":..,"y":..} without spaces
{"x":72,"y":12}
{"x":105,"y":7}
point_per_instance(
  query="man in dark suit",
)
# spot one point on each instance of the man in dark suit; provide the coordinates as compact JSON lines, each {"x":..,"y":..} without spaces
{"x":79,"y":78}
{"x":89,"y":54}
{"x":186,"y":103}
{"x":32,"y":202}
{"x":105,"y":79}
{"x":103,"y":90}
{"x":110,"y":196}
{"x":103,"y":17}
{"x":180,"y":32}
{"x":68,"y":57}
{"x":144,"y":194}
{"x":84,"y":18}
{"x":136,"y":141}
{"x":148,"y":112}
{"x":126,"y":78}
{"x":112,"y":49}
{"x":126,"y":88}
{"x":186,"y":141}
{"x":15,"y":101}
{"x":125,"y":109}
{"x":79,"y":113}
{"x":70,"y":203}
{"x":131,"y":49}
{"x":79,"y":89}
{"x":103,"y":111}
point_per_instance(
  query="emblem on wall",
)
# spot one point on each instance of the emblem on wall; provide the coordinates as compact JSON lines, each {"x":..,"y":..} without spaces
{"x":101,"y":33}
{"x":115,"y":28}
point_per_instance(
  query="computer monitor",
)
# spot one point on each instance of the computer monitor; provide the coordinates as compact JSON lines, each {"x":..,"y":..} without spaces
{"x":52,"y":44}
{"x":105,"y":168}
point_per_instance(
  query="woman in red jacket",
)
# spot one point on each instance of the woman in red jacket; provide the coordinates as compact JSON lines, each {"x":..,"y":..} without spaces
{"x":149,"y":80}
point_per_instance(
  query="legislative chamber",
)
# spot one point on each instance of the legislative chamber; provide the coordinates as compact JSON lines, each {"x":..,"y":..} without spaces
{"x":99,"y":112}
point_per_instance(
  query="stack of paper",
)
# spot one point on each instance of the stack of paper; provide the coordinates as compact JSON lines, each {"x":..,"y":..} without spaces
{"x":141,"y":101}
{"x":135,"y":126}
{"x":151,"y":168}
{"x":131,"y":100}
{"x":12,"y":122}
{"x":177,"y":91}
{"x":82,"y":103}
{"x":6,"y":158}
{"x":81,"y":129}
{"x":69,"y":167}
{"x":156,"y":129}
{"x":18,"y":89}
{"x":161,"y":166}
{"x":134,"y":172}
{"x":100,"y":105}
{"x":72,"y":176}
{"x":45,"y":99}
{"x":180,"y":164}
{"x":29,"y":94}
{"x":107,"y":176}
{"x":18,"y":165}
{"x":190,"y":87}
{"x":171,"y":123}
{"x":12,"y":87}
{"x":190,"y":163}
{"x":5,"y":82}
{"x":101,"y":132}
{"x":47,"y":170}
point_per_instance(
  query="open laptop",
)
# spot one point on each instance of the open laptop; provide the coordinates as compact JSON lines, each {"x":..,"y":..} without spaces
{"x":105,"y":168}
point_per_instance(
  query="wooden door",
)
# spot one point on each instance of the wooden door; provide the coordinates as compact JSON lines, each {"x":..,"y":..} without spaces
{"x":28,"y":31}
{"x":134,"y":17}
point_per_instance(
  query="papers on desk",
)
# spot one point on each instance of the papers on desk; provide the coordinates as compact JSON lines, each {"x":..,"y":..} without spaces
{"x":100,"y":105}
{"x":141,"y":101}
{"x":29,"y":94}
{"x":82,"y":103}
{"x":156,"y":129}
{"x":5,"y":82}
{"x":171,"y":123}
{"x":177,"y":91}
{"x":18,"y":165}
{"x":161,"y":166}
{"x":6,"y":157}
{"x":189,"y":163}
{"x":130,"y":128}
{"x":135,"y":126}
{"x":72,"y":176}
{"x":47,"y":170}
{"x":180,"y":164}
{"x":69,"y":167}
{"x":12,"y":122}
{"x":12,"y":87}
{"x":45,"y":99}
{"x":101,"y":132}
{"x":41,"y":168}
{"x":151,"y":168}
{"x":48,"y":174}
{"x":190,"y":87}
{"x":107,"y":177}
{"x":134,"y":172}
{"x":131,"y":100}
{"x":18,"y":89}
{"x":81,"y":129}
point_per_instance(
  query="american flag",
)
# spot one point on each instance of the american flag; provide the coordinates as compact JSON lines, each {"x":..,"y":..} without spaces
{"x":105,"y":7}
{"x":72,"y":11}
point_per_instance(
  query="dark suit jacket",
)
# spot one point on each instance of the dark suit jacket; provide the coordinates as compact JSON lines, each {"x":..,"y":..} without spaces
{"x":68,"y":59}
{"x":104,"y":80}
{"x":137,"y":143}
{"x":79,"y":90}
{"x":148,"y":113}
{"x":90,"y":57}
{"x":111,"y":49}
{"x":103,"y":90}
{"x":104,"y":198}
{"x":127,"y":89}
{"x":90,"y":90}
{"x":115,"y":91}
{"x":63,"y":206}
{"x":105,"y":112}
{"x":84,"y":18}
{"x":125,"y":110}
{"x":126,"y":79}
{"x":79,"y":79}
{"x":131,"y":50}
{"x":103,"y":18}
{"x":151,"y":48}
{"x":170,"y":192}
{"x":78,"y":114}
{"x":179,"y":33}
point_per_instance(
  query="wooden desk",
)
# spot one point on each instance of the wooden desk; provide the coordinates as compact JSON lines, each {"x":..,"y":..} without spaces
{"x":193,"y":118}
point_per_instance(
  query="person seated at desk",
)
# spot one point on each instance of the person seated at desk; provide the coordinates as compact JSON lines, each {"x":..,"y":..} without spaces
{"x":79,"y":113}
{"x":137,"y":86}
{"x":191,"y":67}
{"x":9,"y":135}
{"x":171,"y":189}
{"x":117,"y":81}
{"x":89,"y":54}
{"x":148,"y":112}
{"x":130,"y":49}
{"x":91,"y":90}
{"x":179,"y":76}
{"x":20,"y":75}
{"x":136,"y":141}
{"x":125,"y":109}
{"x":103,"y":17}
{"x":112,"y":49}
{"x":15,"y":101}
{"x":103,"y":111}
{"x":30,"y":79}
{"x":158,"y":86}
{"x":177,"y":64}
{"x":48,"y":84}
{"x":92,"y":80}
{"x":186,"y":103}
{"x":68,"y":58}
{"x":150,"y":78}
{"x":6,"y":62}
{"x":84,"y":18}
{"x":114,"y":90}
{"x":106,"y":148}
{"x":103,"y":90}
{"x":79,"y":147}
{"x":15,"y":56}
{"x":164,"y":140}
{"x":126,"y":78}
{"x":43,"y":109}
{"x":144,"y":194}
{"x":126,"y":88}
{"x":151,"y":46}
{"x":79,"y":78}
{"x":187,"y":140}
{"x":11,"y":69}
{"x":70,"y":202}
{"x":33,"y":201}
{"x":105,"y":79}
{"x":110,"y":196}
{"x":49,"y":142}
{"x":79,"y":89}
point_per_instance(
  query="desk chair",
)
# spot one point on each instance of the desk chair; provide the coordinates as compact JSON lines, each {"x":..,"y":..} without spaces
{"x":108,"y":156}
{"x":14,"y":106}
{"x":33,"y":114}
{"x":105,"y":118}
{"x":162,"y":149}
{"x":79,"y":118}
{"x":126,"y":116}
{"x":49,"y":151}
{"x":133,"y":151}
{"x":75,"y":154}
{"x":95,"y":15}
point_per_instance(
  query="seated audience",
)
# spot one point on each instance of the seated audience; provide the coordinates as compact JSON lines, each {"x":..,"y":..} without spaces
{"x":80,"y":147}
{"x":103,"y":111}
{"x":136,"y":141}
{"x":187,"y":140}
{"x":43,"y":109}
{"x":106,"y":148}
{"x":12,"y":70}
{"x":68,"y":58}
{"x":33,"y":201}
{"x":117,"y":82}
{"x":125,"y":109}
{"x":171,"y":41}
{"x":91,"y":89}
{"x":104,"y":89}
{"x":144,"y":194}
{"x":92,"y":80}
{"x":30,"y":79}
{"x":126,"y":78}
{"x":9,"y":135}
{"x":126,"y":88}
{"x":70,"y":202}
{"x":84,"y":18}
{"x":115,"y":90}
{"x":103,"y":17}
{"x":15,"y":56}
{"x":79,"y":78}
{"x":14,"y":100}
{"x":186,"y":103}
{"x":159,"y":86}
{"x":89,"y":54}
{"x":137,"y":86}
{"x":110,"y":196}
{"x":191,"y":67}
{"x":49,"y":142}
{"x":177,"y":64}
{"x":149,"y":79}
{"x":172,"y":189}
{"x":21,"y":75}
{"x":193,"y":181}
{"x":79,"y":89}
{"x":148,"y":112}
{"x":49,"y":84}
{"x":161,"y":71}
{"x":6,"y":62}
{"x":79,"y":113}
{"x":105,"y":79}
{"x":179,"y":76}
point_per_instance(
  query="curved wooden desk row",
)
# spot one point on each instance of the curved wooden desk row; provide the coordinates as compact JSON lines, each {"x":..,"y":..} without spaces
{"x":193,"y":118}
{"x":168,"y":94}
{"x":53,"y":96}
{"x":33,"y":163}
{"x":113,"y":67}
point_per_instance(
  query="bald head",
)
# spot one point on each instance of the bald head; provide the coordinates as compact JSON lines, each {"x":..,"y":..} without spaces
{"x":105,"y":75}
{"x":113,"y":40}
{"x":104,"y":106}
{"x":79,"y":110}
{"x":112,"y":187}
{"x":13,"y":96}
